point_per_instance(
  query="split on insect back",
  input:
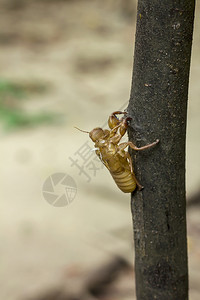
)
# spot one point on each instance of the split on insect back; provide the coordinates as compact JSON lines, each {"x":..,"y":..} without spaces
{"x":113,"y":154}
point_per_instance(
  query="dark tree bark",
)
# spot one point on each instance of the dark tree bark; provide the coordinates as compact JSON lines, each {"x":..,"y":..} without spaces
{"x":158,"y":107}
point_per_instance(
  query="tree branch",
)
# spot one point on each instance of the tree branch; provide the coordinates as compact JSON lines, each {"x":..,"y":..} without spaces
{"x":158,"y":107}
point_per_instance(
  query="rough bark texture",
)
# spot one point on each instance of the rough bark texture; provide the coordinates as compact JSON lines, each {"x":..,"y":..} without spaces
{"x":158,"y":107}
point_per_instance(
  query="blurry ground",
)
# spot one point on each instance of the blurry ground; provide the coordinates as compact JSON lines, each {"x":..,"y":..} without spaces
{"x":65,"y":64}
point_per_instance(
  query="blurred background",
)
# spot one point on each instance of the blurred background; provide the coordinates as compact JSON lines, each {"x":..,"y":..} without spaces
{"x":63,"y":64}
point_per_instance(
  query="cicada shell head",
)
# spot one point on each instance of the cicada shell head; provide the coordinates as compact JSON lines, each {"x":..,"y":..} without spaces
{"x":96,"y":134}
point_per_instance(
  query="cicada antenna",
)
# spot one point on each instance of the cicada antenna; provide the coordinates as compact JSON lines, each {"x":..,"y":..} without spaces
{"x":81,"y":130}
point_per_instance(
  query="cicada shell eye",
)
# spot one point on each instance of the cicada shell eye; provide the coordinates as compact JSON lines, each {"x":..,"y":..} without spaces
{"x":96,"y":134}
{"x":113,"y":121}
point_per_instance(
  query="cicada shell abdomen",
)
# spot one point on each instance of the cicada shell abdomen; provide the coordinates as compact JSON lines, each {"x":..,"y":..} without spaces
{"x":125,"y":181}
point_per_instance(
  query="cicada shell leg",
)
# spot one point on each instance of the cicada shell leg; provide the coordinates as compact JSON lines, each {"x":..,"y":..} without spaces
{"x":140,"y":187}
